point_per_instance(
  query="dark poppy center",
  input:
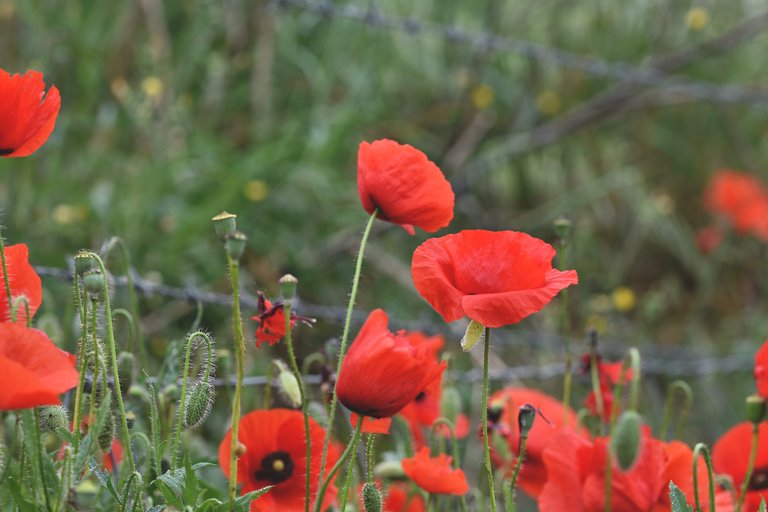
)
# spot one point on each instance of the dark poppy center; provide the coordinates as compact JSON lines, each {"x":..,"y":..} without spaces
{"x":759,"y":480}
{"x":276,"y":467}
{"x":494,"y":414}
{"x":4,"y":151}
{"x":420,"y":396}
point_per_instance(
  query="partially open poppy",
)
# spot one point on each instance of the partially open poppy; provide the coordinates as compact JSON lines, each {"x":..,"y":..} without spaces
{"x":33,"y":371}
{"x":761,"y":370}
{"x":275,"y":454}
{"x":730,"y":456}
{"x":271,"y":320}
{"x":27,"y":114}
{"x":435,"y":474}
{"x":24,"y":282}
{"x":494,"y":277}
{"x":505,"y":404}
{"x":405,"y":187}
{"x":742,"y":199}
{"x":609,"y":374}
{"x":383,"y":371}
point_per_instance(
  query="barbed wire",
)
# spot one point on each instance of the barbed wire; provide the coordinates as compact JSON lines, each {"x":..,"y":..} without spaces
{"x":666,"y":362}
{"x":494,"y":43}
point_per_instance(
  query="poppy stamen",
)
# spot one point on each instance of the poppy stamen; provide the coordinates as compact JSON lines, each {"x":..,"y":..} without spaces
{"x":759,"y":480}
{"x":276,"y":467}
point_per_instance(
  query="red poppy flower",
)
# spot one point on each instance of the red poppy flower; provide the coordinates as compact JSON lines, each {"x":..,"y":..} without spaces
{"x":533,"y":474}
{"x":27,"y":114}
{"x":275,"y":454}
{"x":679,"y":469}
{"x":761,"y":370}
{"x":24,"y":281}
{"x":730,"y":456}
{"x":404,"y":185}
{"x":399,"y":498}
{"x":383,"y":371}
{"x":742,"y":199}
{"x":435,"y":474}
{"x":271,"y":320}
{"x":493,"y":277}
{"x":33,"y":371}
{"x":576,"y":469}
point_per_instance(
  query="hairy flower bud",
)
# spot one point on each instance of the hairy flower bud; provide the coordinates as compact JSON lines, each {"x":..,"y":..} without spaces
{"x":625,"y":442}
{"x":54,"y":418}
{"x":107,"y":433}
{"x":371,"y":498}
{"x":125,"y":363}
{"x":198,"y":404}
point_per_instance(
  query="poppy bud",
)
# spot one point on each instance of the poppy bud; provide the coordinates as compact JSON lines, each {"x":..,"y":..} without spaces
{"x":130,"y":418}
{"x":288,"y":385}
{"x":371,"y":498}
{"x":288,"y":286}
{"x":224,"y":224}
{"x":94,"y":283}
{"x":198,"y":404}
{"x":54,"y":417}
{"x":625,"y":442}
{"x":83,"y":263}
{"x":450,"y":406}
{"x":125,"y":361}
{"x":562,"y":227}
{"x":234,"y":243}
{"x":392,"y":469}
{"x":475,"y":333}
{"x":107,"y":433}
{"x":755,"y":409}
{"x":240,"y":450}
{"x":526,"y":415}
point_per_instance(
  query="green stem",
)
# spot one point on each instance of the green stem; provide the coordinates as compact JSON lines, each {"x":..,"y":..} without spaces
{"x":344,"y":338}
{"x":347,"y":481}
{"x":113,"y":360}
{"x":509,"y":494}
{"x":750,"y":466}
{"x":566,"y":329}
{"x":701,"y":449}
{"x":134,"y":300}
{"x":302,"y":394}
{"x":454,"y":448}
{"x":39,"y":456}
{"x":234,"y":268}
{"x":352,"y":446}
{"x":595,"y":378}
{"x":83,"y":308}
{"x":484,"y":405}
{"x":669,"y":402}
{"x":370,"y":456}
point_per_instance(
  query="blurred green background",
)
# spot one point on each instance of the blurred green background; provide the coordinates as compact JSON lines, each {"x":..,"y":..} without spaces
{"x":173,"y":111}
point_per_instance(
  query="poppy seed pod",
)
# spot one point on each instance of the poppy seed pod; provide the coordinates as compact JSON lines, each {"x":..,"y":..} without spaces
{"x":371,"y":498}
{"x":83,"y":263}
{"x":93,"y":281}
{"x":755,"y":409}
{"x":288,"y":287}
{"x":234,"y":244}
{"x":224,"y":224}
{"x":625,"y":442}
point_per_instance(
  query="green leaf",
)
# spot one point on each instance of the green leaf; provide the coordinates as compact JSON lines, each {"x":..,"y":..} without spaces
{"x":677,"y":498}
{"x":243,"y":502}
{"x":172,"y":487}
{"x":105,"y":479}
{"x":762,"y":506}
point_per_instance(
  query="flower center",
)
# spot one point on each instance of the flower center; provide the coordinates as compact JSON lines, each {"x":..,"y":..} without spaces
{"x":759,"y":480}
{"x":276,"y":467}
{"x":4,"y":152}
{"x":420,"y":396}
